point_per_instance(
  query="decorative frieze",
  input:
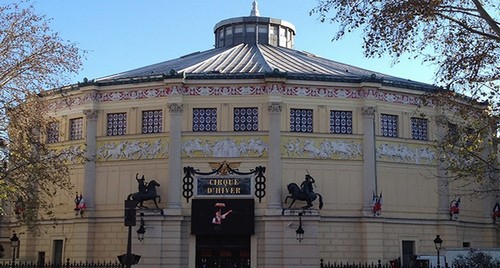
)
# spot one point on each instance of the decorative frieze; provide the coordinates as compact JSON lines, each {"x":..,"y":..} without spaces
{"x":321,"y":92}
{"x":403,"y":153}
{"x":129,"y":150}
{"x":325,"y":149}
{"x":225,"y":147}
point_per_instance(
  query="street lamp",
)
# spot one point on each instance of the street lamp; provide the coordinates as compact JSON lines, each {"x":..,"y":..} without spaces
{"x":128,"y":259}
{"x":14,"y":242}
{"x":438,"y":242}
{"x":300,"y":231}
{"x":141,"y":231}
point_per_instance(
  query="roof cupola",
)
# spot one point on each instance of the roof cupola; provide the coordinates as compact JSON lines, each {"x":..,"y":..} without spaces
{"x":254,"y":29}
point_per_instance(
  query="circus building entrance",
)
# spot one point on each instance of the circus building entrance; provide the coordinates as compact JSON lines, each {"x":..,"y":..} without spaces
{"x":222,"y":218}
{"x":223,"y":213}
{"x":223,"y":227}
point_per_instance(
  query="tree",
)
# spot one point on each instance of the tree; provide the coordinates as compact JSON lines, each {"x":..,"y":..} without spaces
{"x":33,"y":61}
{"x":460,"y":37}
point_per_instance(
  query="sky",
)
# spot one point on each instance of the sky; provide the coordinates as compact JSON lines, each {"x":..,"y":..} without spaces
{"x":121,"y":35}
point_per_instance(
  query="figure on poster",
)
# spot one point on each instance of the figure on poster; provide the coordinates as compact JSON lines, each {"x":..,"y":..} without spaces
{"x":219,"y":216}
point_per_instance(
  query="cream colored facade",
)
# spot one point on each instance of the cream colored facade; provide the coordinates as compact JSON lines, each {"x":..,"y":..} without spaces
{"x":415,"y":203}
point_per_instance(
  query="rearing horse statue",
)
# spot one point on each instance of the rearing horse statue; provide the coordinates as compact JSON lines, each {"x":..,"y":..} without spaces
{"x":148,"y":192}
{"x":305,"y":193}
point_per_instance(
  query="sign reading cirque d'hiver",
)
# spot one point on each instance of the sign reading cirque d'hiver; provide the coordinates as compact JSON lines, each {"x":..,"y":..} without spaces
{"x":224,"y":185}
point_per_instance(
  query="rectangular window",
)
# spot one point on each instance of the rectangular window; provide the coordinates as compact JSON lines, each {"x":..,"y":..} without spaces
{"x":452,"y":132}
{"x":117,"y":124}
{"x":76,"y":128}
{"x":389,"y":125}
{"x":246,"y":119}
{"x":419,"y":128}
{"x":152,"y":121}
{"x":53,"y":132}
{"x":301,"y":120}
{"x":204,"y":119}
{"x":341,"y":122}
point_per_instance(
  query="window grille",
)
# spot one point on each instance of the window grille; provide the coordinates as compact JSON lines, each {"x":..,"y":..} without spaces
{"x":117,"y":124}
{"x":76,"y":128}
{"x":246,"y":119}
{"x":204,"y":119}
{"x":419,"y":128}
{"x":301,"y":120}
{"x":53,"y":133}
{"x":341,"y":122}
{"x":152,"y":121}
{"x":389,"y":125}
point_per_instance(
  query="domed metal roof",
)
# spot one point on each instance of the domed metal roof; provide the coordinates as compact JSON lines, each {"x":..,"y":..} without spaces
{"x":256,"y":57}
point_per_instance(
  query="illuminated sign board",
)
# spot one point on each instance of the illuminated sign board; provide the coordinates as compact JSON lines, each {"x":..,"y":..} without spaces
{"x":222,"y":216}
{"x":224,"y":186}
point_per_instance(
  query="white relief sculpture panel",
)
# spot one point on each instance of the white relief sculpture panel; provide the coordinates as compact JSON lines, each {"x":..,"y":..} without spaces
{"x":325,"y":149}
{"x":225,"y":147}
{"x":73,"y":153}
{"x":404,"y":153}
{"x":129,"y":150}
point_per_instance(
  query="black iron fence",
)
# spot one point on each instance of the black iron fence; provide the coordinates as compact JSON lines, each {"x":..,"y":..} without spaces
{"x":67,"y":264}
{"x":354,"y":265}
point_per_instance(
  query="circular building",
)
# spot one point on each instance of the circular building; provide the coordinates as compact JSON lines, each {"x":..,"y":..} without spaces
{"x":253,"y":154}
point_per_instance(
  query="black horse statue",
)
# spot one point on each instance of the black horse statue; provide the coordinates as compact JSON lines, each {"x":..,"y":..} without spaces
{"x":296,"y":193}
{"x":148,"y":194}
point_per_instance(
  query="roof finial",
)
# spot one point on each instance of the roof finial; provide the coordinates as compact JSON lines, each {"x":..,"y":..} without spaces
{"x":255,"y":9}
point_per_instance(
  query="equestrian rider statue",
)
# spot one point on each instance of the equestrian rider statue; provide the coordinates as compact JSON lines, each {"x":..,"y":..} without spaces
{"x":307,"y":187}
{"x":142,"y":184}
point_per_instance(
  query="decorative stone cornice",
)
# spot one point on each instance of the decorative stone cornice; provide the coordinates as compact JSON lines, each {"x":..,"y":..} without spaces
{"x":244,"y":90}
{"x":274,"y":107}
{"x":368,"y":111}
{"x":175,"y":108}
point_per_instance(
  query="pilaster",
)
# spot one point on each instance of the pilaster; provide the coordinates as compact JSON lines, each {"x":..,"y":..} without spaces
{"x":442,"y":180}
{"x":174,"y":161}
{"x":90,"y":153}
{"x":369,"y":158}
{"x":274,"y":180}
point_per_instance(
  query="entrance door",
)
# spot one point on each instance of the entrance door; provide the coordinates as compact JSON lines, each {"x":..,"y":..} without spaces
{"x":222,"y":251}
{"x":408,"y":254}
{"x":57,"y":253}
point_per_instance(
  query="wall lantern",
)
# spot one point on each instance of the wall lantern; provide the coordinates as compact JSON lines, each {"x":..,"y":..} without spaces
{"x":142,"y":230}
{"x":14,"y":243}
{"x":300,"y":231}
{"x":438,"y":243}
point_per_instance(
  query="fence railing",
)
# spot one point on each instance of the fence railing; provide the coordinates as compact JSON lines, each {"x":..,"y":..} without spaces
{"x":354,"y":265}
{"x":67,"y":264}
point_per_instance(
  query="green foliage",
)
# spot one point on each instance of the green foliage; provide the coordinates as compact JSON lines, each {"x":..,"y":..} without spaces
{"x":460,"y":37}
{"x":32,"y":58}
